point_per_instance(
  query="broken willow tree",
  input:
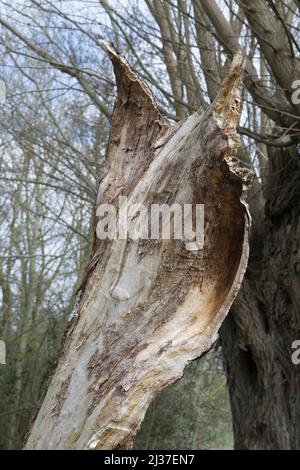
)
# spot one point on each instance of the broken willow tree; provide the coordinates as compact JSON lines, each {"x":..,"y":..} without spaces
{"x":149,"y":307}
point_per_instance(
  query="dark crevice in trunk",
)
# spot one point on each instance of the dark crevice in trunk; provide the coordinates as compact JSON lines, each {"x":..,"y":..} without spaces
{"x":258,"y":333}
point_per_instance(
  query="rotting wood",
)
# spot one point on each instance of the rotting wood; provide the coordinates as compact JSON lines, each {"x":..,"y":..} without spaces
{"x":149,"y":307}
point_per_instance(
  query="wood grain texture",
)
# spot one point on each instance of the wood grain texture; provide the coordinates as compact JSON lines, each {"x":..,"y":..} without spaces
{"x":149,"y":307}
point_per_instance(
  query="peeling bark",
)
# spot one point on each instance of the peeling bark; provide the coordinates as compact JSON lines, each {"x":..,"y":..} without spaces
{"x":149,"y":307}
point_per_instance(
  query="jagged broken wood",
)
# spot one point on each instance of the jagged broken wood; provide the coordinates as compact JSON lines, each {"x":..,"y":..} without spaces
{"x":149,"y":307}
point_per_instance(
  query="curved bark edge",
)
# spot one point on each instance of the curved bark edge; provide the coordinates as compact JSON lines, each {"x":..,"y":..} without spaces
{"x":147,"y":309}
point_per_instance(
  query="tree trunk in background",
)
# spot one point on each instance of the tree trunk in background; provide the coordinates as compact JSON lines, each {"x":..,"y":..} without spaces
{"x":258,"y":333}
{"x":149,"y":307}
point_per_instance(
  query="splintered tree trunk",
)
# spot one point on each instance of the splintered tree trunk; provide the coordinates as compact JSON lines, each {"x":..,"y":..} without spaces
{"x":149,"y":307}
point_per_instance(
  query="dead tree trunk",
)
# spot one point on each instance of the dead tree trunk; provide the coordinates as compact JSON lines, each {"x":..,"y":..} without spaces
{"x":149,"y":307}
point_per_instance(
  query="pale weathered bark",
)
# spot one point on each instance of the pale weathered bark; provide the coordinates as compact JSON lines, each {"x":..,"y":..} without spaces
{"x":149,"y":307}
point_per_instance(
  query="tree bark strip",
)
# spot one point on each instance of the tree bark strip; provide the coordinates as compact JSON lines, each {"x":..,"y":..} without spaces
{"x":149,"y":307}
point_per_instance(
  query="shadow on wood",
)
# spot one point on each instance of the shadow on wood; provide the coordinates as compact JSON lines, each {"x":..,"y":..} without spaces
{"x":149,"y":307}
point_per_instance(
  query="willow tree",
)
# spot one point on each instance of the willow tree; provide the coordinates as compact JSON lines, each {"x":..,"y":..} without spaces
{"x":148,"y":307}
{"x":192,"y":43}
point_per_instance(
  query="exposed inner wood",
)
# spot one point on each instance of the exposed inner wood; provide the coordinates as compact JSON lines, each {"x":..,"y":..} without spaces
{"x":149,"y":307}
